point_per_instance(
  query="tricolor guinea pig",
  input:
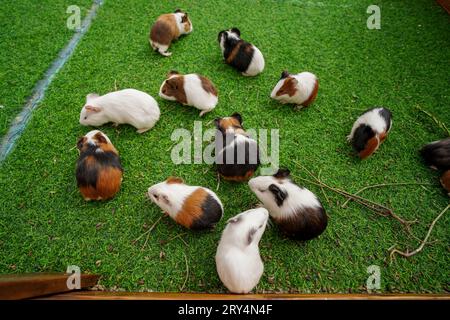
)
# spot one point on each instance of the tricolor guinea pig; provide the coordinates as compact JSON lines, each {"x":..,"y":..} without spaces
{"x":370,"y":130}
{"x":240,"y":54}
{"x":190,"y":89}
{"x":299,"y":89}
{"x":237,"y":155}
{"x":437,"y":154}
{"x":99,"y":172}
{"x":195,"y":208}
{"x":128,"y":106}
{"x":296,"y":210}
{"x":238,"y":262}
{"x":167,"y":28}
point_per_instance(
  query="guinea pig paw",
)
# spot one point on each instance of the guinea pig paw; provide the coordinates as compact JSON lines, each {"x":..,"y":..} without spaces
{"x":299,"y":107}
{"x":166,"y":53}
{"x":142,"y":130}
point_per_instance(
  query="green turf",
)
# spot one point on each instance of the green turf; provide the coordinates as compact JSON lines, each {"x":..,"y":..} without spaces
{"x":46,"y":226}
{"x":31,"y":35}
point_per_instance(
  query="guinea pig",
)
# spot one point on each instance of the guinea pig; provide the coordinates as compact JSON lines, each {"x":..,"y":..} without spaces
{"x":370,"y":130}
{"x":445,"y":181}
{"x":167,"y":28}
{"x":193,"y":207}
{"x":129,"y":106}
{"x":238,"y":262}
{"x":296,"y":210}
{"x":240,"y":54}
{"x":237,"y":155}
{"x":437,"y":154}
{"x":299,"y":89}
{"x":190,"y":89}
{"x":99,"y":172}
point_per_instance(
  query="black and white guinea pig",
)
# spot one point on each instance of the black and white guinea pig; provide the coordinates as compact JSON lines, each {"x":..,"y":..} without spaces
{"x":370,"y":130}
{"x":437,"y":154}
{"x":237,"y":155}
{"x":190,"y":89}
{"x":193,"y":207}
{"x":299,"y":89}
{"x":240,"y":54}
{"x":238,"y":262}
{"x":167,"y":28}
{"x":296,"y":210}
{"x":99,"y":171}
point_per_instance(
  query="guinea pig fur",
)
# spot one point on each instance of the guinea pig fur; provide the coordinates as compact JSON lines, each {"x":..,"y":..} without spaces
{"x":99,"y":172}
{"x":238,"y":262}
{"x":370,"y":130}
{"x":299,"y":89}
{"x":237,"y":155}
{"x":296,"y":210}
{"x":445,"y":181}
{"x":167,"y":28}
{"x":240,"y":54}
{"x":128,"y":106}
{"x":190,"y":89}
{"x":193,"y":207}
{"x":437,"y":154}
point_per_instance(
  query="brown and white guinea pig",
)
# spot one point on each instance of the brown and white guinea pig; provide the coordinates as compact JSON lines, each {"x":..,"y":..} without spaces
{"x":437,"y":154}
{"x":299,"y":89}
{"x":240,"y":54}
{"x":296,"y":210}
{"x":193,"y":207}
{"x":238,"y":262}
{"x":99,"y":171}
{"x":167,"y":28}
{"x":237,"y":155}
{"x":190,"y":89}
{"x":370,"y":130}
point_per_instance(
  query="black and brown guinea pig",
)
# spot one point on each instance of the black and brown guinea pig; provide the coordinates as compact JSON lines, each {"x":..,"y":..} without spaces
{"x":296,"y":210}
{"x":196,"y":208}
{"x":299,"y":89}
{"x":237,"y":155}
{"x":167,"y":28}
{"x":190,"y":89}
{"x":437,"y":154}
{"x":370,"y":130}
{"x":99,"y":171}
{"x":240,"y":54}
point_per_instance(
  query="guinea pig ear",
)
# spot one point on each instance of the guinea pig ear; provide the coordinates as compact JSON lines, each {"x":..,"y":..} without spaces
{"x":184,"y":18}
{"x":282,"y":173}
{"x":234,"y":220}
{"x":236,"y":30}
{"x":80,"y":143}
{"x":90,"y":108}
{"x":250,"y":235}
{"x":237,"y":116}
{"x":219,"y":37}
{"x":279,"y":194}
{"x":284,"y":74}
{"x":100,"y":138}
{"x":178,"y":10}
{"x":174,"y":180}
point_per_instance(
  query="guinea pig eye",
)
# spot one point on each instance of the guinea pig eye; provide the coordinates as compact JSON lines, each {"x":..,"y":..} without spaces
{"x":261,"y":190}
{"x":156,"y":196}
{"x":85,"y":118}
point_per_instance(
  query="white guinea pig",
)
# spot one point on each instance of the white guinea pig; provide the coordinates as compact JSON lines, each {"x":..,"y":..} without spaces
{"x":190,"y":89}
{"x":238,"y":262}
{"x":129,"y":106}
{"x":296,"y":210}
{"x":299,"y":89}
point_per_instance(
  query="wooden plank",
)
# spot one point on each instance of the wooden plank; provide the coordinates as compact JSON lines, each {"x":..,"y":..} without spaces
{"x":23,"y":286}
{"x":104,"y":295}
{"x":445,"y":4}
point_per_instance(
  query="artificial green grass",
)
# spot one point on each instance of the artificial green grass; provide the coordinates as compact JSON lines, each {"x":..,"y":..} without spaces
{"x":31,"y":35}
{"x":45,"y":225}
